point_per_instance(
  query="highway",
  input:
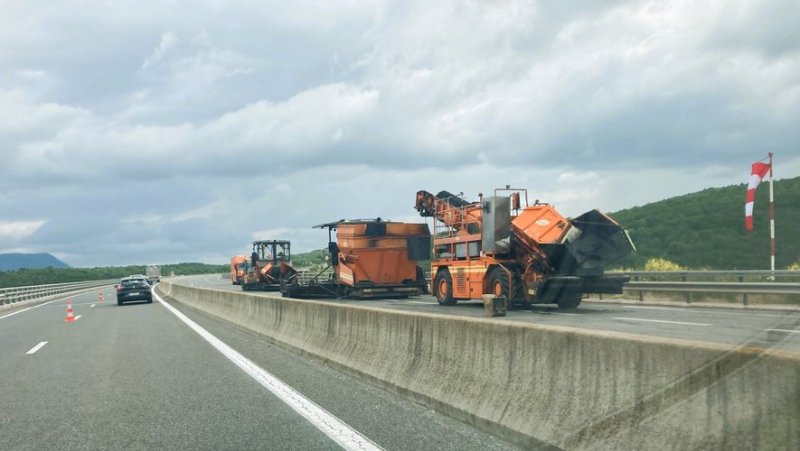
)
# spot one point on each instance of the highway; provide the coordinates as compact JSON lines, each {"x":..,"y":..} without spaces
{"x":755,"y":328}
{"x":141,"y":377}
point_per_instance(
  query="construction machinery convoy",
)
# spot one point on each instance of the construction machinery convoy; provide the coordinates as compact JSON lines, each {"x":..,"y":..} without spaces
{"x":528,"y":254}
{"x":370,"y":258}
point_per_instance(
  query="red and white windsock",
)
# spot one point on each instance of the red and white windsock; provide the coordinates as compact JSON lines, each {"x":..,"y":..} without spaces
{"x":759,"y":171}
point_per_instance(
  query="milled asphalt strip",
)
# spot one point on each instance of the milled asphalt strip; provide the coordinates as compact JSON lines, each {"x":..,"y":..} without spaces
{"x":663,"y":321}
{"x":347,"y":437}
{"x":36,"y":348}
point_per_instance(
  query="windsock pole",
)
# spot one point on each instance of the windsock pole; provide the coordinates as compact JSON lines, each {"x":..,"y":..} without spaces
{"x":771,"y":220}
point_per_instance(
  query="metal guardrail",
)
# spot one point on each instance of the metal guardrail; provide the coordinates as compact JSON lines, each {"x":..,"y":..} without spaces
{"x":742,"y":286}
{"x":19,"y":294}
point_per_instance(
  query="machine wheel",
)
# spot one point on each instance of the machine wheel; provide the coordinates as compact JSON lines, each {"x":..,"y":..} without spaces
{"x":443,"y":286}
{"x":569,"y":301}
{"x":498,"y":286}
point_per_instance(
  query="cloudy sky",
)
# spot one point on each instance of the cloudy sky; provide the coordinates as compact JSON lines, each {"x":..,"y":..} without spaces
{"x":162,"y":131}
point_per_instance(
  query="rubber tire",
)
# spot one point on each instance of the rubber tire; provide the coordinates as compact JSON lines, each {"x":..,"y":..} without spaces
{"x":444,"y":277}
{"x":499,"y":277}
{"x":119,"y":303}
{"x":569,"y":302}
{"x":150,"y":301}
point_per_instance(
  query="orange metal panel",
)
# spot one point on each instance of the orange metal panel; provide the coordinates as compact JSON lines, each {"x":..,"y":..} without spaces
{"x":542,"y":223}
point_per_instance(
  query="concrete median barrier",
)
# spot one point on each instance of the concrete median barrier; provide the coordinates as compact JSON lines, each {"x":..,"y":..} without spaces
{"x":538,"y":385}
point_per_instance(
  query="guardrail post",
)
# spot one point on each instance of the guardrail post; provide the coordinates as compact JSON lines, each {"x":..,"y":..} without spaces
{"x":688,"y":293}
{"x":641,"y":292}
{"x":744,"y":295}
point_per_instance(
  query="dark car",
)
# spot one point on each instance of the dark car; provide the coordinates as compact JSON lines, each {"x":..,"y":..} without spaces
{"x":134,"y":289}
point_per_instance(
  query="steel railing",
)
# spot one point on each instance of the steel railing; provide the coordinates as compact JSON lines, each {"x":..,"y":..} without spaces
{"x":741,"y":286}
{"x":19,"y":294}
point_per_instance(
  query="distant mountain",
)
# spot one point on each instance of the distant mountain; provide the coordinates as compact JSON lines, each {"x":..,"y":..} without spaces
{"x":706,"y":229}
{"x":11,"y":262}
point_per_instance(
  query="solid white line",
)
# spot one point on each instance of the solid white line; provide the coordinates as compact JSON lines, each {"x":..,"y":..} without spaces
{"x":704,"y":310}
{"x":339,"y":431}
{"x":36,"y":348}
{"x":662,"y":321}
{"x":421,"y":302}
{"x":784,"y":330}
{"x":78,"y":317}
{"x":42,"y":305}
{"x":29,"y":308}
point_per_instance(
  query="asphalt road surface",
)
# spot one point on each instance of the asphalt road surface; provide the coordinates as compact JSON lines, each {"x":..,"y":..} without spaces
{"x":757,"y":328}
{"x":139,"y":377}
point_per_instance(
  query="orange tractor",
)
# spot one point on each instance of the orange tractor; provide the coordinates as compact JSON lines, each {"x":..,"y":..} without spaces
{"x":269,"y":263}
{"x":528,"y":254}
{"x":238,"y":269}
{"x":370,"y":258}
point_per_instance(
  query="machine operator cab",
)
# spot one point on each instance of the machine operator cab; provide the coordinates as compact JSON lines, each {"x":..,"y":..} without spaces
{"x":271,"y":251}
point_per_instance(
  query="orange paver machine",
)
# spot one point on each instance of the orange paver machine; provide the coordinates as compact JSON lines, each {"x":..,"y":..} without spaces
{"x":370,"y":258}
{"x":270,"y":262}
{"x":529,"y":254}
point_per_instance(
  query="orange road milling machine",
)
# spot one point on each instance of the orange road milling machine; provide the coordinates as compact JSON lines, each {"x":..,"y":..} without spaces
{"x":370,"y":258}
{"x":528,"y":254}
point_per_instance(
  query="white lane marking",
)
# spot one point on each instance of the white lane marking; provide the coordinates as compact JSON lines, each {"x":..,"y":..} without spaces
{"x":42,"y":305}
{"x":706,"y":310}
{"x":569,"y":314}
{"x":421,"y":302}
{"x":92,"y":305}
{"x":784,"y":330}
{"x":662,"y":321}
{"x":78,"y":317}
{"x":31,"y":308}
{"x":339,"y":431}
{"x":36,"y":348}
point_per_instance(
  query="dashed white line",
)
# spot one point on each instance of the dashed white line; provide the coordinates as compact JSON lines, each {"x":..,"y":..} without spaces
{"x":92,"y":305}
{"x":78,"y":317}
{"x":420,"y":302}
{"x":663,"y":321}
{"x":339,"y":431}
{"x":36,"y":348}
{"x":784,"y":330}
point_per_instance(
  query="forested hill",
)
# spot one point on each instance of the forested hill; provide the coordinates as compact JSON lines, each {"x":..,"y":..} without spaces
{"x":706,"y":229}
{"x":10,"y":262}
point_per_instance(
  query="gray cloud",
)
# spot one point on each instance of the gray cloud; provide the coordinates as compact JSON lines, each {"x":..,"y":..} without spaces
{"x":175,"y":133}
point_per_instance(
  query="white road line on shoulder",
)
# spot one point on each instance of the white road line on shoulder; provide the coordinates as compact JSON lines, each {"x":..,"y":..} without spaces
{"x":36,"y":348}
{"x":31,"y":308}
{"x":784,"y":330}
{"x":705,"y":310}
{"x":662,"y":321}
{"x":339,"y":431}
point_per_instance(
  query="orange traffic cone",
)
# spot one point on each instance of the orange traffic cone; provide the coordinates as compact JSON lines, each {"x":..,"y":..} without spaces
{"x":70,"y":316}
{"x":100,"y":295}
